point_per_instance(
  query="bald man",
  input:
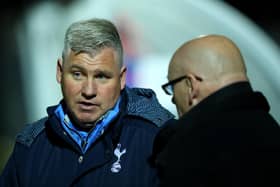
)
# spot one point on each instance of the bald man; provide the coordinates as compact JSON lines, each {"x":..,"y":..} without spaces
{"x":225,"y":135}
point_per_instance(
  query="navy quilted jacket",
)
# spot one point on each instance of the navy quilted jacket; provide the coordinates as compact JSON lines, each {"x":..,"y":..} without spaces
{"x":44,"y":155}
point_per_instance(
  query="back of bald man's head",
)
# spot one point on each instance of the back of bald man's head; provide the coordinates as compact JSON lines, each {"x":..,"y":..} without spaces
{"x":211,"y":57}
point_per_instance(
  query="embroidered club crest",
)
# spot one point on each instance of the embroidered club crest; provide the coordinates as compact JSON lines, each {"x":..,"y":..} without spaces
{"x":116,"y":166}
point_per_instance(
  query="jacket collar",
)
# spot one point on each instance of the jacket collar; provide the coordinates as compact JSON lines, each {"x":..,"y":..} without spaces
{"x":142,"y":102}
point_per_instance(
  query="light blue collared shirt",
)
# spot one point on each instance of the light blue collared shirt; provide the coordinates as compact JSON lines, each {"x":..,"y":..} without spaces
{"x":82,"y":138}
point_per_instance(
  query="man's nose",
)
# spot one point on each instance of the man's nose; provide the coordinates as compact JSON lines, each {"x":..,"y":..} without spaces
{"x":89,"y":89}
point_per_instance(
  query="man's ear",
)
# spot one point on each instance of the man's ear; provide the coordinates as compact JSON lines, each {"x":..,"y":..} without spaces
{"x":123,"y":77}
{"x":193,"y":88}
{"x":59,"y":70}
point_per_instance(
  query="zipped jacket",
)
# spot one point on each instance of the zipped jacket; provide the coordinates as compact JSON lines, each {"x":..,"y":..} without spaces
{"x":45,"y":155}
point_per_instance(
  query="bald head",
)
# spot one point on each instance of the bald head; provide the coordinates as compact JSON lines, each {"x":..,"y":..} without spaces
{"x":212,"y":57}
{"x":208,"y":64}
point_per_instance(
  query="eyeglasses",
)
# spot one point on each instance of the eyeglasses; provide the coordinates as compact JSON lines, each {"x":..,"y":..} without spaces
{"x":169,"y":87}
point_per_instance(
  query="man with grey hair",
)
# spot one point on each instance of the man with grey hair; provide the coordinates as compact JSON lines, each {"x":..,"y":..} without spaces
{"x":225,"y":136}
{"x":101,"y":132}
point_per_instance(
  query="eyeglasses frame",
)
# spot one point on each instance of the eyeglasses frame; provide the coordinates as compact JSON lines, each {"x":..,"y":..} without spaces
{"x":174,"y":81}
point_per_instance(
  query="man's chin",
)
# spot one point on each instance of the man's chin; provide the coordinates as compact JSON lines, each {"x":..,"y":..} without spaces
{"x":83,"y":122}
{"x":86,"y":117}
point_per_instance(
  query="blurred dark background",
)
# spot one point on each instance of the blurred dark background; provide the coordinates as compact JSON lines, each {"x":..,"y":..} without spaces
{"x":266,"y":14}
{"x":13,"y":113}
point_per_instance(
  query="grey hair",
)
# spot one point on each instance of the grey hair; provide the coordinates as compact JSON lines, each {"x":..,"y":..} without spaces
{"x":91,"y":36}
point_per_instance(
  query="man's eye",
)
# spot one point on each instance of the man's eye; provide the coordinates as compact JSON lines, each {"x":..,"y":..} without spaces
{"x":77,"y":75}
{"x":101,"y":76}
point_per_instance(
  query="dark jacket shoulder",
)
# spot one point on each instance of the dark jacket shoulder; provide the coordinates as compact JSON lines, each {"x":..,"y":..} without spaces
{"x":28,"y":134}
